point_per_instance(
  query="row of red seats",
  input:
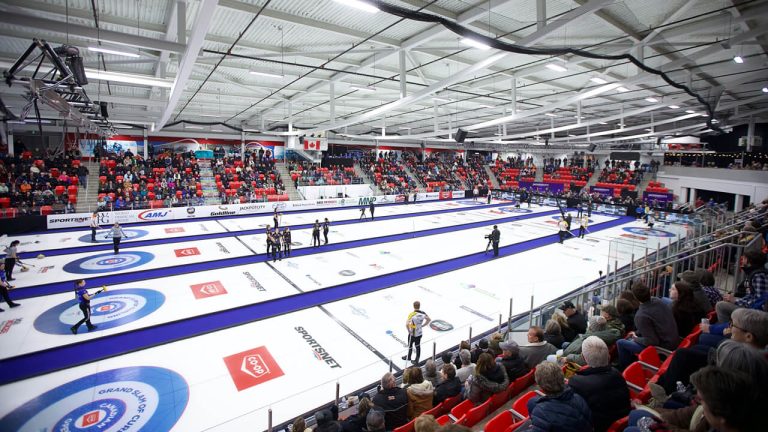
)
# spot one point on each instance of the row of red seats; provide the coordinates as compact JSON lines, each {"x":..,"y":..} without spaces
{"x":657,"y":189}
{"x":618,"y":186}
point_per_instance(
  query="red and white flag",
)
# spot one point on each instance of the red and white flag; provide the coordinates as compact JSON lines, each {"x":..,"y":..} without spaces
{"x":313,"y":144}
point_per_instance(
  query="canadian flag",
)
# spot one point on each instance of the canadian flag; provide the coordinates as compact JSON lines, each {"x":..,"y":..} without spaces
{"x":312,"y":144}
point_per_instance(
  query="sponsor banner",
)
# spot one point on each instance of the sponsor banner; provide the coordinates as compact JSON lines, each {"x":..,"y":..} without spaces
{"x":251,"y":368}
{"x":543,"y":187}
{"x":126,"y":399}
{"x":603,"y":191}
{"x":445,"y":195}
{"x":208,"y":289}
{"x":459,"y":194}
{"x":428,"y":196}
{"x":660,"y":197}
{"x":191,"y":251}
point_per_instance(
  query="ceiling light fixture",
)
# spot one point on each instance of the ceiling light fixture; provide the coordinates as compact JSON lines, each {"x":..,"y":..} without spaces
{"x":439,"y":99}
{"x":475,"y":43}
{"x":186,"y":126}
{"x":115,"y":52}
{"x":357,"y":4}
{"x":651,"y":99}
{"x":674,"y":106}
{"x":364,"y":89}
{"x":550,"y":115}
{"x":556,"y":67}
{"x":266,"y":74}
{"x":622,"y":89}
{"x":690,"y":111}
{"x":738,"y":59}
{"x":127,"y":78}
{"x":603,"y":123}
{"x":765,"y":89}
{"x":598,"y":80}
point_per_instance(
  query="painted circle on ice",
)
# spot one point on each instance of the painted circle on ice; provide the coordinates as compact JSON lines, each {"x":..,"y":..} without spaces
{"x":130,"y":234}
{"x":515,"y":210}
{"x":575,"y":219}
{"x":650,"y":232}
{"x":468,"y":202}
{"x":125,"y":399}
{"x":347,"y":273}
{"x":109,"y":309}
{"x":107,"y":262}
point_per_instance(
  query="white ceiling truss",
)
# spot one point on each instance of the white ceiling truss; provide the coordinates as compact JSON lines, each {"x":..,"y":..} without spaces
{"x":316,"y":60}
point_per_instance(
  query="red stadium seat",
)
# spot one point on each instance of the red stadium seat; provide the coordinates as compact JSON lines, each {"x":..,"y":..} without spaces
{"x":459,"y":410}
{"x":475,"y":415}
{"x":520,"y":407}
{"x":500,"y":422}
{"x":408,"y":427}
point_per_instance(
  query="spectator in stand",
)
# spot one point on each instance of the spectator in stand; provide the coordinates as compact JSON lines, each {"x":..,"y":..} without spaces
{"x":375,"y":421}
{"x":537,"y":349}
{"x":510,"y":358}
{"x":568,"y":333}
{"x":687,"y":312}
{"x":392,"y":401}
{"x":600,"y":385}
{"x":430,"y":372}
{"x":489,"y":378}
{"x":693,"y":278}
{"x":553,"y":334}
{"x":576,"y":320}
{"x":482,"y":347}
{"x":420,"y":392}
{"x":751,"y":290}
{"x":449,"y":386}
{"x":560,"y":409}
{"x":598,"y":327}
{"x":356,"y":422}
{"x":426,"y":423}
{"x":467,"y":366}
{"x":655,"y":326}
{"x":611,"y":315}
{"x":325,"y":422}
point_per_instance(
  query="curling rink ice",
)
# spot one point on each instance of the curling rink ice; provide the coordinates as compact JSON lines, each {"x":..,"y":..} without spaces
{"x":345,"y":324}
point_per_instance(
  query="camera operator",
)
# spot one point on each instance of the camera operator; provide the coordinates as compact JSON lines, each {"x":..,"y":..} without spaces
{"x":493,"y":239}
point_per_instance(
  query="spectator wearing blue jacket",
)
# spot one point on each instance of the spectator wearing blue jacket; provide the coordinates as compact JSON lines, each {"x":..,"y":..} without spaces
{"x":560,"y":409}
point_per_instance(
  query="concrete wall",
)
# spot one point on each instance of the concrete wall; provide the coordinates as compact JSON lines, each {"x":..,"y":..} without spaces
{"x":739,"y":182}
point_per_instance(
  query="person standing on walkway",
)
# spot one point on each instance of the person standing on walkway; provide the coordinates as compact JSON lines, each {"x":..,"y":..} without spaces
{"x":316,"y":233}
{"x":276,"y":218}
{"x":270,"y":240}
{"x":362,"y":213}
{"x":117,"y":234}
{"x":583,"y":225}
{"x":11,"y":256}
{"x":371,"y":208}
{"x":415,"y":325}
{"x":562,"y":226}
{"x":4,"y":287}
{"x":84,"y":300}
{"x":94,"y":226}
{"x":286,"y":241}
{"x":326,"y":228}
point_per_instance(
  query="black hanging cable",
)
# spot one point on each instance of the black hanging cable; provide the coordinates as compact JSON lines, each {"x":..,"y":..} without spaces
{"x":558,"y":51}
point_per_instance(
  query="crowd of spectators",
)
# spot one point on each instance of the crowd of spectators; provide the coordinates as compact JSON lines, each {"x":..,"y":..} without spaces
{"x":386,"y":172}
{"x":39,"y":186}
{"x":312,"y":174}
{"x":255,"y":178}
{"x":621,"y":173}
{"x":515,"y":169}
{"x":437,"y":173}
{"x":128,"y":181}
{"x":739,"y":161}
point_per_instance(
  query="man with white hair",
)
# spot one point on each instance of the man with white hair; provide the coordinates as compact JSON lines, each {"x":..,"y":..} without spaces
{"x":393,"y":401}
{"x":600,"y":385}
{"x":598,"y":326}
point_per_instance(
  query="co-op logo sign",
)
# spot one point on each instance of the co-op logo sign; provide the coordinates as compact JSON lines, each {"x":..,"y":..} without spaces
{"x":149,"y":215}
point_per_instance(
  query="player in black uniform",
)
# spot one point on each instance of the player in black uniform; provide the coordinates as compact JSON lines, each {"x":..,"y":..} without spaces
{"x":270,"y":239}
{"x":316,"y":233}
{"x":286,"y":241}
{"x":371,"y":207}
{"x":494,"y":238}
{"x":276,"y":242}
{"x":326,"y":227}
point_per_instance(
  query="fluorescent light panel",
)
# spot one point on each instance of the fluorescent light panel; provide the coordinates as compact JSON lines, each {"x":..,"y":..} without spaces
{"x":361,"y":88}
{"x":738,"y":59}
{"x":357,"y":4}
{"x":550,"y":114}
{"x":266,"y":74}
{"x":475,"y":43}
{"x":598,"y":80}
{"x":690,"y":111}
{"x":439,"y":99}
{"x":674,"y":106}
{"x":556,"y":67}
{"x":651,"y":99}
{"x":127,"y":78}
{"x":622,"y":89}
{"x":765,"y":89}
{"x":115,"y":52}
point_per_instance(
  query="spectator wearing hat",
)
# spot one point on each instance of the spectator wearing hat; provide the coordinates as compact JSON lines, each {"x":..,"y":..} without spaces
{"x":611,"y":315}
{"x":482,"y":347}
{"x":510,"y":358}
{"x":392,"y":401}
{"x":655,"y":326}
{"x":600,"y":385}
{"x":449,"y":386}
{"x":576,"y":320}
{"x":598,"y":326}
{"x":751,"y":291}
{"x":537,"y":348}
{"x":693,"y":278}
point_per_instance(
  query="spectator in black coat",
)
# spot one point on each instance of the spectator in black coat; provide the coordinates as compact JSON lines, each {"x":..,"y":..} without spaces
{"x":626,"y":314}
{"x":449,"y":386}
{"x":600,"y":385}
{"x":553,"y":333}
{"x":510,"y":358}
{"x":356,"y":422}
{"x":687,"y":312}
{"x":576,"y":320}
{"x":393,"y":401}
{"x":325,"y":422}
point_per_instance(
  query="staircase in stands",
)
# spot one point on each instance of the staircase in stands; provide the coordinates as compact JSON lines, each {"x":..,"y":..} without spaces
{"x":208,"y":182}
{"x":367,"y":180}
{"x":592,"y":179}
{"x":88,"y":196}
{"x":421,"y":186}
{"x":285,"y":175}
{"x":492,"y":176}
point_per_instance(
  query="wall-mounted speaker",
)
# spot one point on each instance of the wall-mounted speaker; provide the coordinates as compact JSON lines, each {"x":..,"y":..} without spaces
{"x":103,"y":106}
{"x":592,"y":148}
{"x":461,"y":135}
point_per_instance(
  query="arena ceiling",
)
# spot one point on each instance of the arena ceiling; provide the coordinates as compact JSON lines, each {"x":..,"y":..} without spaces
{"x":295,"y":67}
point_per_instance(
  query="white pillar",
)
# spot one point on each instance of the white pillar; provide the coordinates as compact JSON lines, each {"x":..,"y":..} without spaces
{"x":541,"y":14}
{"x":332,"y":102}
{"x":739,"y":203}
{"x":181,"y":21}
{"x":146,"y":145}
{"x":290,"y":117}
{"x":578,"y":112}
{"x":504,"y":125}
{"x":242,"y":146}
{"x":402,"y":74}
{"x":10,"y":141}
{"x":514,"y":95}
{"x":692,"y":196}
{"x":434,"y":104}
